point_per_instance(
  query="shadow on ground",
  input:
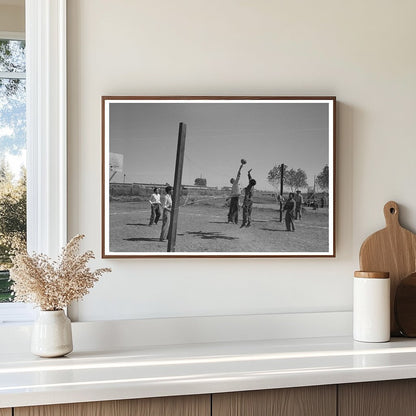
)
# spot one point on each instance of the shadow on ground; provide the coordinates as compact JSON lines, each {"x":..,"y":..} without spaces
{"x":272,"y":229}
{"x":141,"y":239}
{"x":211,"y":235}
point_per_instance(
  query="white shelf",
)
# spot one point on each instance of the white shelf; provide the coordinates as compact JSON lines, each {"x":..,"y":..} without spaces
{"x":168,"y":370}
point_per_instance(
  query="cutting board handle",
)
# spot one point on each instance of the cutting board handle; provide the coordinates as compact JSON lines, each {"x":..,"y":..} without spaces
{"x":391,"y":214}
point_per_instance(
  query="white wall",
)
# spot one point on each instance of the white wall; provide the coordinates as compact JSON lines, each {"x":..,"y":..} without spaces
{"x":361,"y":51}
{"x":12,"y":17}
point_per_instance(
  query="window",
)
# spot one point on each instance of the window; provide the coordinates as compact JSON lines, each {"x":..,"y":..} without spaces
{"x":46,"y":135}
{"x":12,"y":155}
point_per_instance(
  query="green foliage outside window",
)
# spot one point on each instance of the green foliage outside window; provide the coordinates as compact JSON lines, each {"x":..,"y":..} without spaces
{"x":12,"y":148}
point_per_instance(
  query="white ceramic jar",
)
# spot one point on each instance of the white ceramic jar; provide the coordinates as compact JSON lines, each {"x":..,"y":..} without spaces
{"x":52,"y":334}
{"x":371,"y":308}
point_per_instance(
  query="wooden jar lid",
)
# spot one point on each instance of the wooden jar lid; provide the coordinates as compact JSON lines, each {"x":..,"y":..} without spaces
{"x":372,"y":275}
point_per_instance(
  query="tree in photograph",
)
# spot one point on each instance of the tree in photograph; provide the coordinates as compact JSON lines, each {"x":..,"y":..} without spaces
{"x":200,"y":182}
{"x":296,"y":179}
{"x":293,"y":179}
{"x":274,"y":176}
{"x":322,"y":179}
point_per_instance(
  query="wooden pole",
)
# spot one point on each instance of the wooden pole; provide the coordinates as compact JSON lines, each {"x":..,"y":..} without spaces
{"x":282,"y":172}
{"x":180,"y":153}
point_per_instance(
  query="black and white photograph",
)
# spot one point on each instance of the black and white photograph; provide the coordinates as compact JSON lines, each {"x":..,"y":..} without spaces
{"x":218,"y":176}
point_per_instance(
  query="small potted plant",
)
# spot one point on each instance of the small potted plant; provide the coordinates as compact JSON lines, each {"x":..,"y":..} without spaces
{"x":51,"y":286}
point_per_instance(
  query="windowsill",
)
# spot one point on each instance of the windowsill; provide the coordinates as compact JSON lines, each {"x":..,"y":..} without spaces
{"x":152,"y":371}
{"x":16,"y":313}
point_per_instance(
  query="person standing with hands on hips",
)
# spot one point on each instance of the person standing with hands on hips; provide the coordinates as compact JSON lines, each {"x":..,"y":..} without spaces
{"x":290,"y":207}
{"x":167,"y":208}
{"x":299,"y":204}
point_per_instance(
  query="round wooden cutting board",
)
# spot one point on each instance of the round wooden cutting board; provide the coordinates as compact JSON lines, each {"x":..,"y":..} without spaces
{"x":392,"y":250}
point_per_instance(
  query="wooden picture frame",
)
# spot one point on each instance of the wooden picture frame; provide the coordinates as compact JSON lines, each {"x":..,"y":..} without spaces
{"x":201,"y":143}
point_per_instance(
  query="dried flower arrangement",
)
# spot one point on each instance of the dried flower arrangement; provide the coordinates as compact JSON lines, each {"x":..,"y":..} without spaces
{"x":52,"y":285}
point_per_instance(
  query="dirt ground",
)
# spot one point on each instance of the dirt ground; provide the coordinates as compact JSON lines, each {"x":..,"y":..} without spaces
{"x":204,"y":228}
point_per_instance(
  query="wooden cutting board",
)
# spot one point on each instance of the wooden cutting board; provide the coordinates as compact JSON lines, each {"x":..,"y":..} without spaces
{"x":405,"y":306}
{"x":392,"y":250}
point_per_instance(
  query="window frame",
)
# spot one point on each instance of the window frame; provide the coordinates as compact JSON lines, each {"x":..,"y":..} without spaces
{"x":12,"y":35}
{"x":46,"y":125}
{"x":46,"y":121}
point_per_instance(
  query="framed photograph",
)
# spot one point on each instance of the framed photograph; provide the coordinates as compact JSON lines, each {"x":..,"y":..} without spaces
{"x":218,"y":176}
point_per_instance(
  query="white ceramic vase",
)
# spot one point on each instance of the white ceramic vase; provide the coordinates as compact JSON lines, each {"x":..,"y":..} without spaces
{"x":52,"y":334}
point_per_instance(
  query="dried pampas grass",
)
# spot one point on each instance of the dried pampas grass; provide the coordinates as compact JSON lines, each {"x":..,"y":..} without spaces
{"x":53,"y":285}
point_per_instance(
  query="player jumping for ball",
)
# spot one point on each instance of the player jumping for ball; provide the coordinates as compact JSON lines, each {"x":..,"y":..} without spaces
{"x":235,"y":195}
{"x":248,"y":201}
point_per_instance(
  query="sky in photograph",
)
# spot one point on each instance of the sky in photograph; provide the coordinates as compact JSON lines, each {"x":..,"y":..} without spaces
{"x":218,"y":136}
